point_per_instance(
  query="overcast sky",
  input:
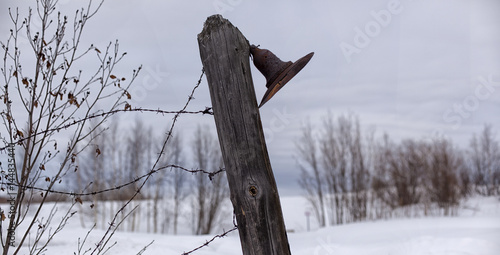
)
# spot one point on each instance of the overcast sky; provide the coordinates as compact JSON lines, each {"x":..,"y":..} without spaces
{"x":411,"y":68}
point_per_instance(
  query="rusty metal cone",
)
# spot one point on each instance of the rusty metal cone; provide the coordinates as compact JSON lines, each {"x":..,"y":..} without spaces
{"x":277,"y":72}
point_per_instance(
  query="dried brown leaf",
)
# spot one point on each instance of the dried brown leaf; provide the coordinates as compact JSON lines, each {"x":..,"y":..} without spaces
{"x":79,"y":200}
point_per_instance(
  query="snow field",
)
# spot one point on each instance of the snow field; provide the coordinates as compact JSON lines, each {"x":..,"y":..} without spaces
{"x":475,"y":231}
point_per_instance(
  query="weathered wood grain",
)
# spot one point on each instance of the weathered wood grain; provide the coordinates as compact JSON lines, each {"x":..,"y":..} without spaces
{"x":225,"y":53}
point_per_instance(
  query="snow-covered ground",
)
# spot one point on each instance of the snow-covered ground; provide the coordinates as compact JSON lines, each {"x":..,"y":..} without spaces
{"x":475,"y":231}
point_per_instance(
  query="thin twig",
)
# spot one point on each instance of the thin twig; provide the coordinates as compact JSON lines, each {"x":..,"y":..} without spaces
{"x":145,"y":248}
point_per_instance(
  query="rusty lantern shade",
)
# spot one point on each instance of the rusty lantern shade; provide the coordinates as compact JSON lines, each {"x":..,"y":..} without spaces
{"x":277,"y":72}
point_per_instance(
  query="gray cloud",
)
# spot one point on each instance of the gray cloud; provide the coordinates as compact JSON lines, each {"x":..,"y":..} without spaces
{"x":429,"y":57}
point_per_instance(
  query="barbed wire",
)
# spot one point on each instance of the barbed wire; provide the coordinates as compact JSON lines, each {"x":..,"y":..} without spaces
{"x":93,"y":193}
{"x":144,"y":177}
{"x":208,"y":110}
{"x":109,"y":232}
{"x":206,"y":243}
{"x":225,"y":233}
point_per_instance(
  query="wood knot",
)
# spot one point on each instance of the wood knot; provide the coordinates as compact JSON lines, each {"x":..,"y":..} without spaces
{"x":253,"y":191}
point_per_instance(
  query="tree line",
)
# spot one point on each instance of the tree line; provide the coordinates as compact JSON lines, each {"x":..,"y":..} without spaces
{"x":349,"y":176}
{"x":118,"y":156}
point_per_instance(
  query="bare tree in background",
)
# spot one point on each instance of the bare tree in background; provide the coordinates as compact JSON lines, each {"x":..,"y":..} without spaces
{"x":170,"y":189}
{"x":442,"y":174}
{"x":208,"y":194}
{"x":338,"y":174}
{"x":138,"y":155}
{"x":383,"y":191}
{"x":90,"y":174}
{"x":178,"y":181}
{"x":43,"y":93}
{"x":334,"y":159}
{"x":399,"y":172}
{"x":346,"y":168}
{"x":106,"y":169}
{"x":484,"y":155}
{"x":360,"y":176}
{"x":311,"y":177}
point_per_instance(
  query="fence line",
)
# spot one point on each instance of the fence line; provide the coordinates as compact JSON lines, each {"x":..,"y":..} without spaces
{"x":75,"y":194}
{"x":208,"y":110}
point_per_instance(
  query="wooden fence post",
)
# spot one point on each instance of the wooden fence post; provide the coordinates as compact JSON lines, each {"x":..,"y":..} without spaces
{"x":225,"y":53}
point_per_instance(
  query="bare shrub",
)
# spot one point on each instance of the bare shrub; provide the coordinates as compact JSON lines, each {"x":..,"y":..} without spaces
{"x":45,"y":91}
